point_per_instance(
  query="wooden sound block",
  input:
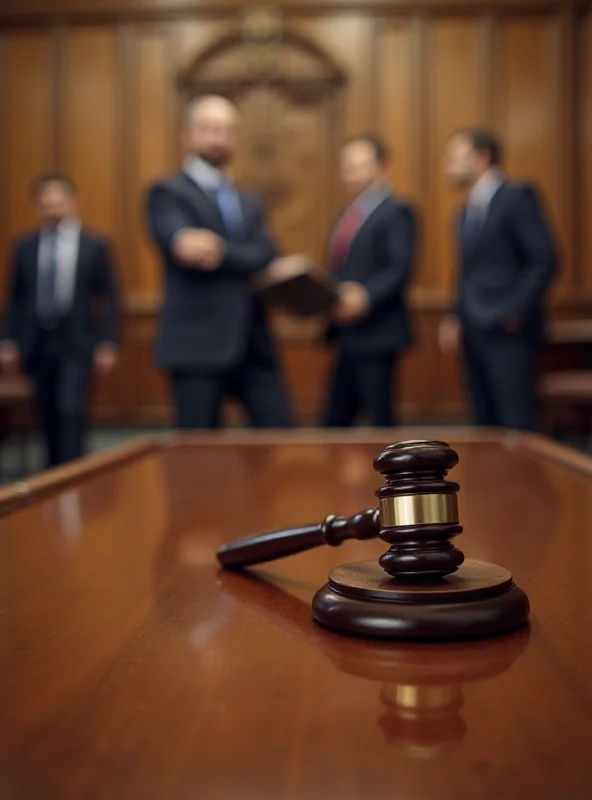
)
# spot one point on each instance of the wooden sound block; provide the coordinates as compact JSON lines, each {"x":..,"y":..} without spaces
{"x":479,"y":599}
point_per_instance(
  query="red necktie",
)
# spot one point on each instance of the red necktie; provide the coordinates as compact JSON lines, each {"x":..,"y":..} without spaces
{"x":346,"y":230}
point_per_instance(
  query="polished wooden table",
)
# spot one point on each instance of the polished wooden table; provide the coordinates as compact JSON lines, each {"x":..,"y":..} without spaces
{"x":130,"y":667}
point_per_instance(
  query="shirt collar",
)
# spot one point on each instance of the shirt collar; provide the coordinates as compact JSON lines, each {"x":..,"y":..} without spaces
{"x":67,"y":225}
{"x":483,"y":191}
{"x":371,"y":197}
{"x":205,"y":175}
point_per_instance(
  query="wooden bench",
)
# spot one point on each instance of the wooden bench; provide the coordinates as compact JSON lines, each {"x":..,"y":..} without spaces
{"x":566,"y":392}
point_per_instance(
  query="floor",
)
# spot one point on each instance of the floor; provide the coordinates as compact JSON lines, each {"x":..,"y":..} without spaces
{"x":12,"y":467}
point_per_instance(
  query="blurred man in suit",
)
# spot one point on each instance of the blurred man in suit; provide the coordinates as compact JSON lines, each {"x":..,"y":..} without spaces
{"x":371,"y":253}
{"x":508,"y":260}
{"x":62,"y":315}
{"x":214,"y":338}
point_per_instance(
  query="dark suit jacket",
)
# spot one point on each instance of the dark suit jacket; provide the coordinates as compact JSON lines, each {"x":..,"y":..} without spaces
{"x":509,"y":265}
{"x":381,"y":258}
{"x":94,"y":314}
{"x":208,"y":318}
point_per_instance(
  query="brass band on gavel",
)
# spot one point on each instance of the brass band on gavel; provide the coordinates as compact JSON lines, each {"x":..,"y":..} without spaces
{"x":418,"y":509}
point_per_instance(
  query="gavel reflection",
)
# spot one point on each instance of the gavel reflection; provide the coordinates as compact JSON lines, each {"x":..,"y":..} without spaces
{"x":421,"y":684}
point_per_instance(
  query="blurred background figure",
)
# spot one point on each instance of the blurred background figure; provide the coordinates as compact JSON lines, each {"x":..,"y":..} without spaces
{"x":61,"y":315}
{"x":507,"y":262}
{"x":371,"y":252}
{"x":214,"y":339}
{"x":303,"y":85}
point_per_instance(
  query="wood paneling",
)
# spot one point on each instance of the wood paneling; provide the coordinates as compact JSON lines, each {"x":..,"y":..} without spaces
{"x":456,"y":98}
{"x":585,"y":150}
{"x":152,"y":120}
{"x":398,"y":73}
{"x":94,"y":88}
{"x":90,"y":149}
{"x":528,"y":100}
{"x":300,"y":209}
{"x":27,"y":121}
{"x":19,"y":9}
{"x":349,"y":40}
{"x":193,"y":36}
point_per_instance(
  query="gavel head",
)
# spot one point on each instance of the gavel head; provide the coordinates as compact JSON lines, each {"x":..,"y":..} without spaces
{"x":418,"y":510}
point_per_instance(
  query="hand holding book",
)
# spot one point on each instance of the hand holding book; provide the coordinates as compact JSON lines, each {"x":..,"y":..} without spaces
{"x":296,"y":284}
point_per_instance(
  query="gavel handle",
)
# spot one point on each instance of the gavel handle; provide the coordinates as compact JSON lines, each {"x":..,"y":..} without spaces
{"x":277,"y":544}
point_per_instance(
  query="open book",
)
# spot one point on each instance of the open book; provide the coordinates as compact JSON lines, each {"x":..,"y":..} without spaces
{"x":297,"y":285}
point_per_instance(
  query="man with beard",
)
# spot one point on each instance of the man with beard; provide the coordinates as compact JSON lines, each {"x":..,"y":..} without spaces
{"x":214,"y":339}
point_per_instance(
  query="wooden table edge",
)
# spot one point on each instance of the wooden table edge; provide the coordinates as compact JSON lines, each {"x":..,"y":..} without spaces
{"x":541,"y":446}
{"x":55,"y":480}
{"x":533,"y":443}
{"x":319,"y":436}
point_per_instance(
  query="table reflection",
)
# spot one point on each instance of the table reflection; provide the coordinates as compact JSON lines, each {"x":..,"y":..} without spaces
{"x":421,"y":685}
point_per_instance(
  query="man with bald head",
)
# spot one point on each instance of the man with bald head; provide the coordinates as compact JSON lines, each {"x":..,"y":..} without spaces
{"x":214,"y":339}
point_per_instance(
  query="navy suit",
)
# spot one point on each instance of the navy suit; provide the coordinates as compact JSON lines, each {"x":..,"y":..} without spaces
{"x":59,"y":360}
{"x":380,"y":257}
{"x":506,"y":270}
{"x":213,"y":337}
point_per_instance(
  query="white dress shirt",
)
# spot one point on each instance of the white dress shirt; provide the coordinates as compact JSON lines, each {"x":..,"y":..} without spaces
{"x":68,"y":246}
{"x":484,"y":190}
{"x":217,"y":184}
{"x":367,"y":202}
{"x":478,"y":202}
{"x":205,"y":175}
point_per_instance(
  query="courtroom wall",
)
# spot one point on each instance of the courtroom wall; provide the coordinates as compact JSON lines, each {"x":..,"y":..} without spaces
{"x":97,"y":88}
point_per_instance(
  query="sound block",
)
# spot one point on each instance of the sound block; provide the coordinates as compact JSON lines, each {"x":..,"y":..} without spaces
{"x":479,"y":599}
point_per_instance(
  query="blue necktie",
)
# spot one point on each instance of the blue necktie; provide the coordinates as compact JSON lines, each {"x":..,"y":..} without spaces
{"x":230,"y":209}
{"x":48,"y":307}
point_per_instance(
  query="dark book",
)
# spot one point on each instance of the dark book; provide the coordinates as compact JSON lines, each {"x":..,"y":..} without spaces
{"x":297,"y":285}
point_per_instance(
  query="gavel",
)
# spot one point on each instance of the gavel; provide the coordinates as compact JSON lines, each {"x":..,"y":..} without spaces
{"x":422,"y":587}
{"x":278,"y":544}
{"x":418,"y":516}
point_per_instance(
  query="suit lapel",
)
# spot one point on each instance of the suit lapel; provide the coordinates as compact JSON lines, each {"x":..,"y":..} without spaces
{"x":489,"y":218}
{"x":32,"y":259}
{"x":84,"y":249}
{"x":367,"y":220}
{"x":195,"y":195}
{"x":361,"y":227}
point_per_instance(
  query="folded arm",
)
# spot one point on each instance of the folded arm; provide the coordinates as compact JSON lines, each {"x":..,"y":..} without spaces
{"x":192,"y":247}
